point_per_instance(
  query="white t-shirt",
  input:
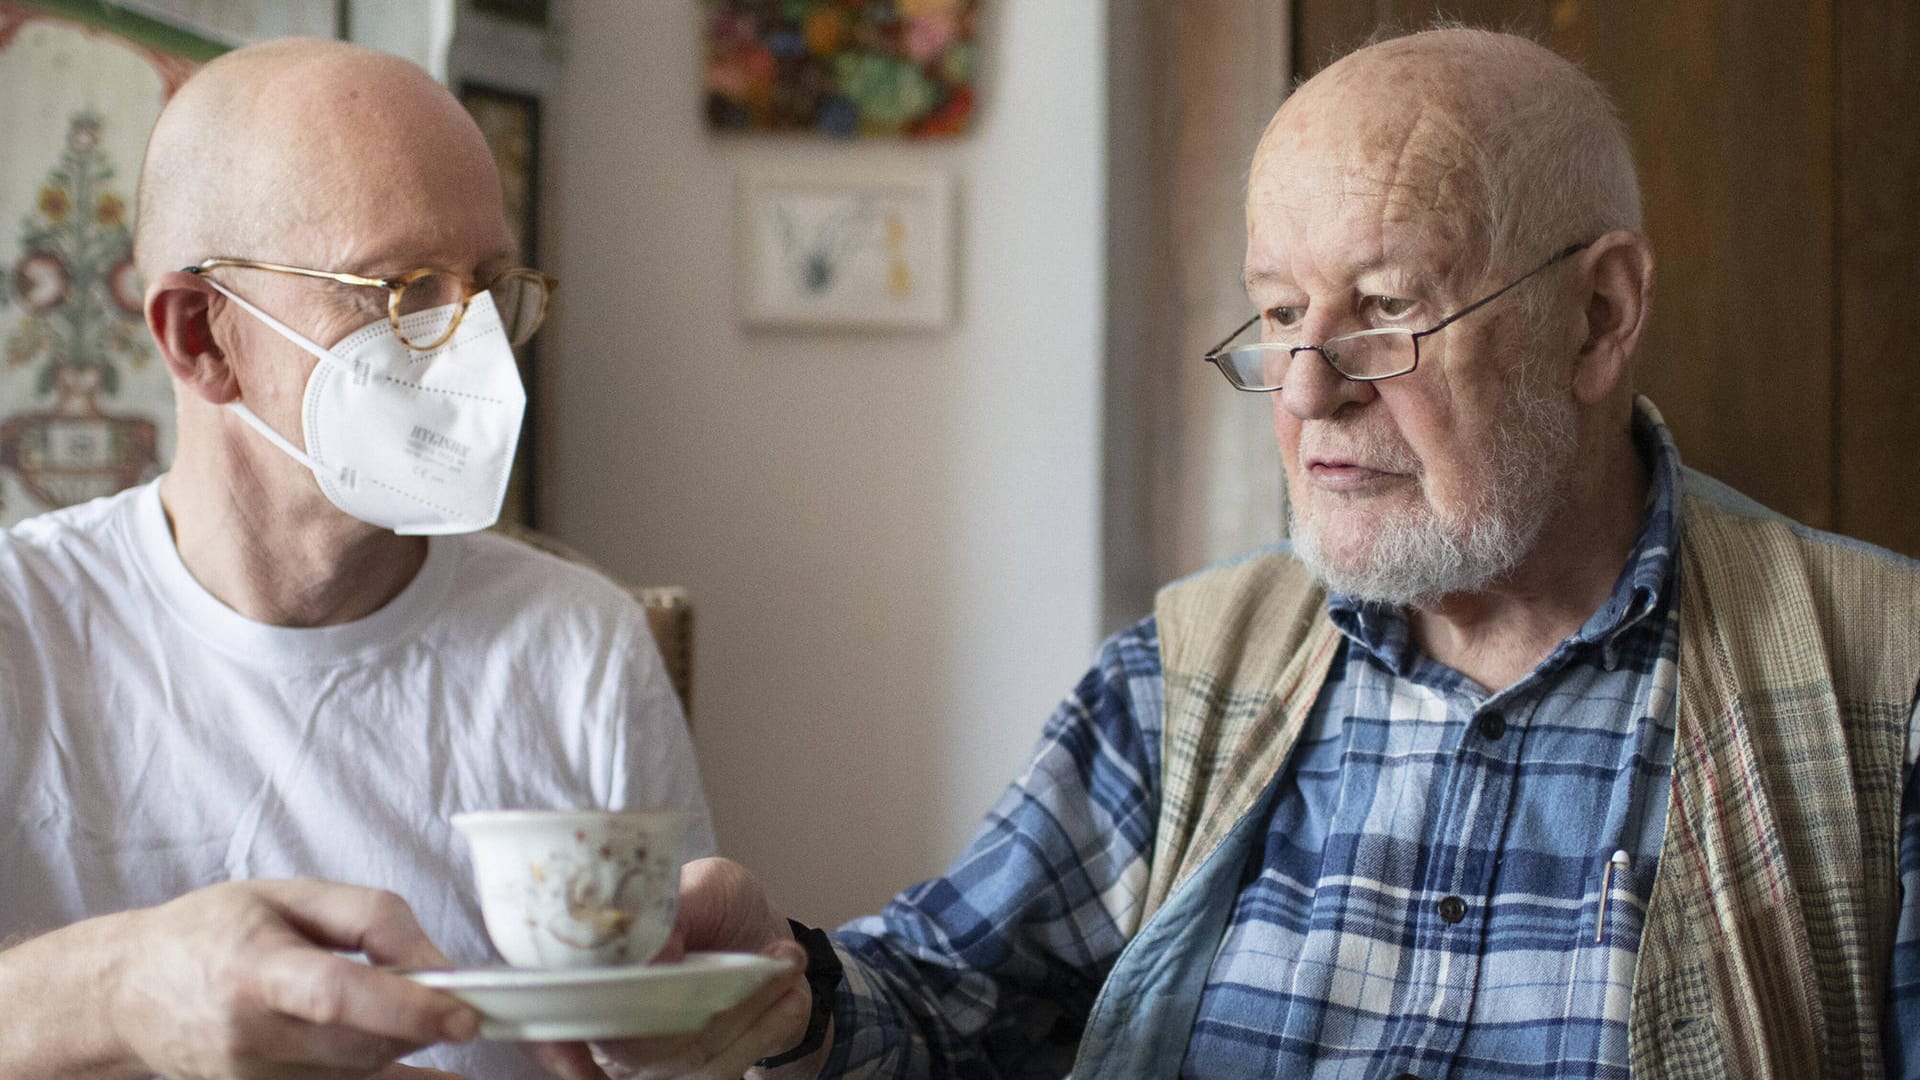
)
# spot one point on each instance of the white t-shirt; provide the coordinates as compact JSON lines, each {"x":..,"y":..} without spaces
{"x":153,"y":740}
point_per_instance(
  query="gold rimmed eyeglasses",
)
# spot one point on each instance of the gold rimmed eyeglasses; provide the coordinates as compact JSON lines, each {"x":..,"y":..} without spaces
{"x":520,"y":295}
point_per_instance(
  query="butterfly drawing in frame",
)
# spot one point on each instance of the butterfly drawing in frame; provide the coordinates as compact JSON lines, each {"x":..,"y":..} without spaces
{"x":818,"y":250}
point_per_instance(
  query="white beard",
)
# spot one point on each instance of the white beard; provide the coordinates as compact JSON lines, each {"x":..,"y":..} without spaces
{"x":1420,"y":555}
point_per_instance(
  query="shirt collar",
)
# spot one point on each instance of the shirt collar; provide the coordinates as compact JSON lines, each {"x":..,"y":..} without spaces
{"x":1642,"y":588}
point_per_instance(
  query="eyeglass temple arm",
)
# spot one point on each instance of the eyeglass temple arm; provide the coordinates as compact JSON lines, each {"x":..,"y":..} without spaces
{"x":327,"y":275}
{"x":1224,"y":342}
{"x":1502,"y":291}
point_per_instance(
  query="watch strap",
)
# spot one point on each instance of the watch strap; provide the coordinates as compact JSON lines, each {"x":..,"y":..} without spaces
{"x":823,"y":979}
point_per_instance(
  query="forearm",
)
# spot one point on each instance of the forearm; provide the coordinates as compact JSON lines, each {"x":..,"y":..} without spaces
{"x":990,"y":970}
{"x":55,"y":996}
{"x":892,"y":1031}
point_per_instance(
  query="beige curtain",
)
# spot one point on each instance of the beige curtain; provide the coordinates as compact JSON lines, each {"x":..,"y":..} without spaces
{"x":1192,"y":474}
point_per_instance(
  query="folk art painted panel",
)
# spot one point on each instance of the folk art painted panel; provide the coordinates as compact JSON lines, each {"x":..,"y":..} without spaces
{"x":86,"y":406}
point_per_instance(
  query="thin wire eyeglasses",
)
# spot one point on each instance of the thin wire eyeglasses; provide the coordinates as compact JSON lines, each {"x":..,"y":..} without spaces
{"x":1362,"y":356}
{"x":520,"y":295}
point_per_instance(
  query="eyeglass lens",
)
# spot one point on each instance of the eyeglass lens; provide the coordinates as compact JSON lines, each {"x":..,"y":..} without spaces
{"x":1367,"y":356}
{"x":1361,"y":356}
{"x":520,"y":297}
{"x":428,"y":292}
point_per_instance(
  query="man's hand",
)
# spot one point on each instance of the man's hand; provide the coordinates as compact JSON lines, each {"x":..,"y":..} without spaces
{"x":723,"y":908}
{"x":234,"y":981}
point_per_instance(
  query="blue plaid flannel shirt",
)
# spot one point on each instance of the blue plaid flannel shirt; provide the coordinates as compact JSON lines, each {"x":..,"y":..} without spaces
{"x":1415,"y":799}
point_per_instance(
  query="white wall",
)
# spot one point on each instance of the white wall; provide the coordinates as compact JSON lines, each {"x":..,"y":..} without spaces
{"x":420,"y":30}
{"x":891,"y":540}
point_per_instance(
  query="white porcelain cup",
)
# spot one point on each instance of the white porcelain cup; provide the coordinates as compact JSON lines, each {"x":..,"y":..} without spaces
{"x":576,"y":888}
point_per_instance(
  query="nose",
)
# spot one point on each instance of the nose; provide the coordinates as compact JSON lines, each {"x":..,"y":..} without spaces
{"x":1314,"y":390}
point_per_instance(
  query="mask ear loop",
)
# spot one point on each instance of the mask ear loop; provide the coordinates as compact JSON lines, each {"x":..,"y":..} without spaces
{"x":284,"y":330}
{"x":253,"y":420}
{"x":240,"y":408}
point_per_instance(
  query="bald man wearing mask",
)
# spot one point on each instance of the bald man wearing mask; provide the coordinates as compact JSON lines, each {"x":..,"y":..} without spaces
{"x":282,"y":666}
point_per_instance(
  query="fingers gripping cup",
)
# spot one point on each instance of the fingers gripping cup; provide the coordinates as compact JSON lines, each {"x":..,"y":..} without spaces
{"x":576,"y":889}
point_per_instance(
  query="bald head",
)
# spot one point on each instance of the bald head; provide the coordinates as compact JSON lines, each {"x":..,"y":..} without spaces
{"x":310,"y":152}
{"x":1498,"y":140}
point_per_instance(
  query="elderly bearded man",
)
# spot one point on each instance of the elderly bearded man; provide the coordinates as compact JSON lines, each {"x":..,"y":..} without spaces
{"x":261,"y":666}
{"x":1537,"y":755}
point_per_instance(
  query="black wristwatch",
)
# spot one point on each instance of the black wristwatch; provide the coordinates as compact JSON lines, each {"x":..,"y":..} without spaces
{"x":823,"y":978}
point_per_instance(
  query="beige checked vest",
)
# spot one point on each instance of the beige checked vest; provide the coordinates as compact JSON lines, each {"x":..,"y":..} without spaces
{"x":1771,"y":921}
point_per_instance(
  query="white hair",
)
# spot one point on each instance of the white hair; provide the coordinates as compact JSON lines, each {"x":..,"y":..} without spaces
{"x":1557,"y":163}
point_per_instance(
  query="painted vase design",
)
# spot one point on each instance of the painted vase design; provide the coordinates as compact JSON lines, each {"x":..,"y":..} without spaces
{"x":80,"y":321}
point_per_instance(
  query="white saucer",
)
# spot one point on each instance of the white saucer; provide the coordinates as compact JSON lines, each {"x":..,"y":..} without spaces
{"x":604,"y":1003}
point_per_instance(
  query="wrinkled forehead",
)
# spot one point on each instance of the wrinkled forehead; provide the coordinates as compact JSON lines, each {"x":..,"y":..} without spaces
{"x":1368,"y":178}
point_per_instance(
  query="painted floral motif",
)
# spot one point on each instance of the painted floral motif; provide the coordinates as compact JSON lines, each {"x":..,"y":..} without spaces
{"x":54,"y":205}
{"x":841,"y":67}
{"x":80,"y":300}
{"x":71,"y":277}
{"x":596,"y":894}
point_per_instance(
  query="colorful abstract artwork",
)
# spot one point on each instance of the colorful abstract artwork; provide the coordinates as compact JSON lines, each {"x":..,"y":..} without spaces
{"x":846,"y":68}
{"x":86,"y":407}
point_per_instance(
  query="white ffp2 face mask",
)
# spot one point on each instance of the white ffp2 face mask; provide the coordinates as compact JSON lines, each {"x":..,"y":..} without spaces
{"x":417,"y":442}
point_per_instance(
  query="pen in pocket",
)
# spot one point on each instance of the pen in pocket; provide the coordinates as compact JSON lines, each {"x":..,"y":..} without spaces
{"x":1619,"y":862}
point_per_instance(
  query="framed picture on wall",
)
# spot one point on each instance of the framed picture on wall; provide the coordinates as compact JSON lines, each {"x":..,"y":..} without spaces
{"x":867,"y":69}
{"x":510,"y":122}
{"x":866,"y":249}
{"x":86,"y":403}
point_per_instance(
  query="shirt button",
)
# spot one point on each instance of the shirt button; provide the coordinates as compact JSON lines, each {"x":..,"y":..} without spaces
{"x":1492,"y":726}
{"x":1452,"y":909}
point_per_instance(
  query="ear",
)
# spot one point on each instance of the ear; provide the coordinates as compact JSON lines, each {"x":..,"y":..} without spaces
{"x":179,"y":307}
{"x":1617,"y":279}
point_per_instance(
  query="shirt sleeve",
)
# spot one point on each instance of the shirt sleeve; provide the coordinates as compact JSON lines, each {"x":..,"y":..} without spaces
{"x":991,"y":970}
{"x":1902,"y":1023}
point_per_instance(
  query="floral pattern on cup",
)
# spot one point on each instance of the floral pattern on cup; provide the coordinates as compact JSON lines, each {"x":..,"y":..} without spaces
{"x":600,"y":893}
{"x":589,"y":889}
